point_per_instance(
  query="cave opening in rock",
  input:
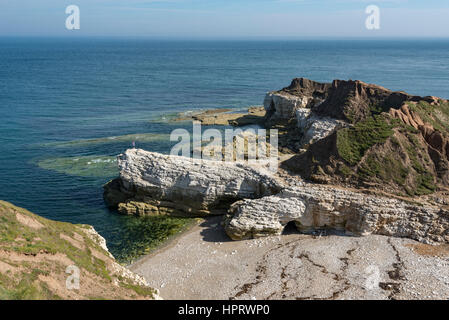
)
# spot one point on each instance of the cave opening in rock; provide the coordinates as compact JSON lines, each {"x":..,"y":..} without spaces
{"x":290,"y":228}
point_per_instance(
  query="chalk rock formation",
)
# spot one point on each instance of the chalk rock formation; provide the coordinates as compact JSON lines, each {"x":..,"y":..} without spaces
{"x":314,"y":127}
{"x":316,"y":207}
{"x":301,"y":94}
{"x":150,"y":182}
{"x":283,"y":105}
{"x":356,"y":135}
{"x":359,"y":134}
{"x":350,"y":100}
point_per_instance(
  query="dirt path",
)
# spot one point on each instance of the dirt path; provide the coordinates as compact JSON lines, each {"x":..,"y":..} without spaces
{"x":204,"y":264}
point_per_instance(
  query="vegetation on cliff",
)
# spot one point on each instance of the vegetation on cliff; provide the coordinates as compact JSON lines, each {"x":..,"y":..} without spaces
{"x":35,"y":253}
{"x":353,"y":142}
{"x":392,"y":141}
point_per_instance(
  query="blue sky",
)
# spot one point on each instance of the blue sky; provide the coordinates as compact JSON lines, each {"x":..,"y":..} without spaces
{"x":226,"y":18}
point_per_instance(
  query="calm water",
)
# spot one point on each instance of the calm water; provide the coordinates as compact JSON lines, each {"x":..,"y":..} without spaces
{"x":68,"y":107}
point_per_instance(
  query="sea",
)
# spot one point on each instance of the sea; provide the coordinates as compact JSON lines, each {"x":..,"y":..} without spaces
{"x":69,"y":106}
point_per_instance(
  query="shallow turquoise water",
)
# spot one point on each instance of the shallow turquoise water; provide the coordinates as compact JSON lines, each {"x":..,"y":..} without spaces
{"x":68,"y":108}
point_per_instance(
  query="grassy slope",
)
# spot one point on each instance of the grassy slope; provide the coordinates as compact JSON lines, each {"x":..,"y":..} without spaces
{"x":379,"y":152}
{"x":383,"y":150}
{"x":35,"y":252}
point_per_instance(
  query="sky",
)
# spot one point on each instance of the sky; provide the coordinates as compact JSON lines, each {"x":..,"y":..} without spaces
{"x":233,"y":19}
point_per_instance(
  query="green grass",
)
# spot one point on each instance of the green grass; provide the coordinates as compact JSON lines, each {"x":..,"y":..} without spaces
{"x":352,"y":143}
{"x":437,"y":116}
{"x":386,"y":168}
{"x":25,"y":288}
{"x":389,"y":168}
{"x":345,"y":170}
{"x":425,"y":183}
{"x":50,"y":240}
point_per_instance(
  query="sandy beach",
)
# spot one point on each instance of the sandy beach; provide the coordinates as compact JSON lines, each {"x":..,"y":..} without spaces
{"x":204,"y":263}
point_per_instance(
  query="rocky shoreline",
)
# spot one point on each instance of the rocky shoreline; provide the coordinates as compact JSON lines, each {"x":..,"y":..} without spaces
{"x":362,"y":179}
{"x":316,"y":118}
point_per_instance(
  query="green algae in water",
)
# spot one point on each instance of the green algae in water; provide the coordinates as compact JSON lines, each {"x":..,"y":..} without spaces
{"x":141,"y":235}
{"x":129,"y":138}
{"x":82,"y":166}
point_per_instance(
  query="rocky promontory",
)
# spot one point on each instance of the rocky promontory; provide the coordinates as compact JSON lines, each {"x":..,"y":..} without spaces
{"x":361,"y":159}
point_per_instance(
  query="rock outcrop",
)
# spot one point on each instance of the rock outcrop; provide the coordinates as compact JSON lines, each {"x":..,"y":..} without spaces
{"x":358,"y":134}
{"x":152,"y":183}
{"x":351,"y":101}
{"x":254,"y":115}
{"x":261,"y":204}
{"x":313,"y":127}
{"x":302,"y":93}
{"x":314,"y":207}
{"x":346,"y":134}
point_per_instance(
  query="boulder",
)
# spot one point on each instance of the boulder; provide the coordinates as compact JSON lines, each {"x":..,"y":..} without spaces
{"x":314,"y":127}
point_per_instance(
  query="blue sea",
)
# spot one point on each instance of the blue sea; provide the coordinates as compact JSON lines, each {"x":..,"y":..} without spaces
{"x":69,"y":106}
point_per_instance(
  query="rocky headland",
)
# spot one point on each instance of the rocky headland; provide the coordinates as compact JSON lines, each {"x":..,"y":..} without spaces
{"x":356,"y":157}
{"x":363,"y":176}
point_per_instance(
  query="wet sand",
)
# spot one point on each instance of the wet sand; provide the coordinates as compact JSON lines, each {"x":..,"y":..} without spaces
{"x":203,"y":263}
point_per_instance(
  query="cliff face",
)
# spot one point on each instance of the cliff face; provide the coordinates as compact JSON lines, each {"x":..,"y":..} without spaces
{"x":37,"y":257}
{"x":262,"y":204}
{"x":313,"y":207}
{"x":351,"y":101}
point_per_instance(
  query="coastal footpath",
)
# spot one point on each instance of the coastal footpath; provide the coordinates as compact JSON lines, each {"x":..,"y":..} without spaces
{"x":41,"y":259}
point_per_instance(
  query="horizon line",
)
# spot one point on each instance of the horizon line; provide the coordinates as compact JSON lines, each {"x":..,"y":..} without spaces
{"x":243,"y":38}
